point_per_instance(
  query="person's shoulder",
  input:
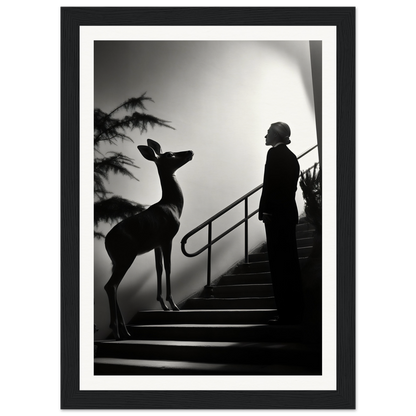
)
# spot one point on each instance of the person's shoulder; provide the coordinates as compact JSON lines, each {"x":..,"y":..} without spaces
{"x":272,"y":152}
{"x":280,"y":150}
{"x":284,"y":155}
{"x":286,"y":150}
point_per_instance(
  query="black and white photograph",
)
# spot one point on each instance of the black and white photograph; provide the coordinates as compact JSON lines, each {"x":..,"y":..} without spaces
{"x":202,"y":234}
{"x":201,"y":298}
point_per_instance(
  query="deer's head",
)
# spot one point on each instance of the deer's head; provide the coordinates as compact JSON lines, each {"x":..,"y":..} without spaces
{"x":168,"y":162}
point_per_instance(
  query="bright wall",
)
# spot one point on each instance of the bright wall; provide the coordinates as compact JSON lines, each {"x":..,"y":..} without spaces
{"x":221,"y":98}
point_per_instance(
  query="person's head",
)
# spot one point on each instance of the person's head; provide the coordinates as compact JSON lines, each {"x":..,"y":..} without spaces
{"x":278,"y":133}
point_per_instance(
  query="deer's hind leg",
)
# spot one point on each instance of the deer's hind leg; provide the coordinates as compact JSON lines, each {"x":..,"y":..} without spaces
{"x":159,"y":271}
{"x":117,"y":323}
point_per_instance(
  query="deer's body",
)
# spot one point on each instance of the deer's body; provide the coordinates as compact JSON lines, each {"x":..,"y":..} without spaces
{"x":152,"y":229}
{"x":143,"y":232}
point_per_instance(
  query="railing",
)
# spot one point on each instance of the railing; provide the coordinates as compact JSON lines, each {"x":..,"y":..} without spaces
{"x":208,"y":223}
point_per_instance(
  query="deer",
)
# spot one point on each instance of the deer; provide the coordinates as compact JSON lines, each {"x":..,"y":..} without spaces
{"x":151,"y":229}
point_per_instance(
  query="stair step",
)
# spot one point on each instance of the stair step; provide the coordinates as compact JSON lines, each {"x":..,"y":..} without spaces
{"x":209,"y":316}
{"x":216,"y":332}
{"x":258,"y":257}
{"x":212,"y":352}
{"x":305,"y":251}
{"x":304,"y":226}
{"x":244,"y":279}
{"x":259,"y":262}
{"x":231,"y":303}
{"x":251,"y":273}
{"x":119,"y":366}
{"x":263,"y":257}
{"x":304,"y":242}
{"x":239,"y":290}
{"x":304,"y":234}
{"x":252,"y":267}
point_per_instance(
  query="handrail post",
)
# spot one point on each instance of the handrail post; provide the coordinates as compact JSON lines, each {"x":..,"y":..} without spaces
{"x":209,"y":254}
{"x":246,"y":230}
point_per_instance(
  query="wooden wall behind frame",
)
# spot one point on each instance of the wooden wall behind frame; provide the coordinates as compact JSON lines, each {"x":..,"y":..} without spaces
{"x":71,"y":20}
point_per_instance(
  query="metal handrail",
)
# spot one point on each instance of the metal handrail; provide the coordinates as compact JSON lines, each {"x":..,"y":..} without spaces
{"x":208,"y":223}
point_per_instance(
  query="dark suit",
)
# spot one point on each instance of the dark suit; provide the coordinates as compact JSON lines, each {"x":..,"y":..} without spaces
{"x":281,"y":175}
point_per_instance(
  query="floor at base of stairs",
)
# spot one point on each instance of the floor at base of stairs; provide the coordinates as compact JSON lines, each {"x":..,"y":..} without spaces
{"x":150,"y":357}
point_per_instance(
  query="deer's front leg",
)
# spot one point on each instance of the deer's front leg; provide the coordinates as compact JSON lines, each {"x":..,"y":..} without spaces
{"x":167,"y":250}
{"x":159,"y":270}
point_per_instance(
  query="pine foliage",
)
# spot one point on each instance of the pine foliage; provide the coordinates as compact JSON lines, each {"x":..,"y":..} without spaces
{"x":110,"y":128}
{"x":115,"y":163}
{"x":310,"y":183}
{"x":114,"y":209}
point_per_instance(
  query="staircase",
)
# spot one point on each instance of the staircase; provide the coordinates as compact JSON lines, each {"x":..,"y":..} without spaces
{"x":220,"y":331}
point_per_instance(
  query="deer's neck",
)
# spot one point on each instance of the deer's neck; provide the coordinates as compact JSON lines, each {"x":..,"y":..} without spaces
{"x":171,"y":191}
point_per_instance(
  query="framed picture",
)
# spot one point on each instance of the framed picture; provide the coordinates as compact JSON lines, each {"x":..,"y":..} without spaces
{"x":204,"y":84}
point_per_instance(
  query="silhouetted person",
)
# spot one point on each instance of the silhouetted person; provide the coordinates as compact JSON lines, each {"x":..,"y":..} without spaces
{"x":279,"y":213}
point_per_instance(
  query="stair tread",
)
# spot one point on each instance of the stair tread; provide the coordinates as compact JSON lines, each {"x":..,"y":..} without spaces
{"x":253,"y":263}
{"x":193,"y":311}
{"x":238,"y":289}
{"x":187,"y":367}
{"x":203,"y":315}
{"x":209,"y":351}
{"x":260,"y":273}
{"x":246,"y":273}
{"x":231,"y":303}
{"x":237,"y":298}
{"x":241,"y":345}
{"x":242,"y":285}
{"x":200,"y":325}
{"x":209,"y":344}
{"x":216,"y":332}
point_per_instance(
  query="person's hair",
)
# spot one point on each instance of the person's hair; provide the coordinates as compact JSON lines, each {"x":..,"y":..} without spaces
{"x":283,"y":130}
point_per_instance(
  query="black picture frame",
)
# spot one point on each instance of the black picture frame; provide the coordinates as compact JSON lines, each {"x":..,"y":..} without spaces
{"x":72,"y":18}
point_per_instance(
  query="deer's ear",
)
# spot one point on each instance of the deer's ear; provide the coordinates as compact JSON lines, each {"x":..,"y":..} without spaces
{"x":155,"y":146}
{"x":147,"y":152}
